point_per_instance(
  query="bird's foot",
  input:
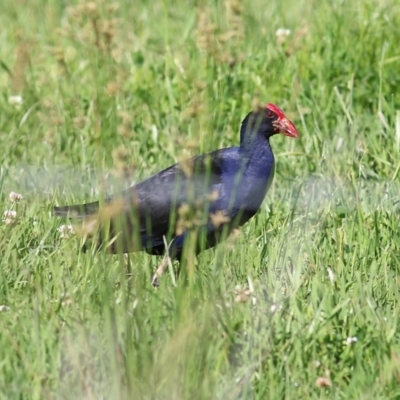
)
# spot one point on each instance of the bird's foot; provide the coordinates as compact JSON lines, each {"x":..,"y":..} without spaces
{"x":154,"y":281}
{"x":160,"y":270}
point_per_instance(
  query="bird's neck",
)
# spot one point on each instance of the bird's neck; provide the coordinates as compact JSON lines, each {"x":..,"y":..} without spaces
{"x":257,"y":171}
{"x":257,"y":159}
{"x":255,"y":146}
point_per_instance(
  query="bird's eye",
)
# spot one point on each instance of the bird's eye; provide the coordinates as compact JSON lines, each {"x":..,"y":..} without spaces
{"x":270,"y":114}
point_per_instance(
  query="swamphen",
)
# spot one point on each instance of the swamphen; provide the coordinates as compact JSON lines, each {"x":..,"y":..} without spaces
{"x":204,"y":198}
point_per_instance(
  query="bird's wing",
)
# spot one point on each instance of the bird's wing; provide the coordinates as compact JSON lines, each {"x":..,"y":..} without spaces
{"x":178,"y":192}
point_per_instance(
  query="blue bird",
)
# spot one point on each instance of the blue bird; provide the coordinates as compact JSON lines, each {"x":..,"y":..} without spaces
{"x":204,"y":198}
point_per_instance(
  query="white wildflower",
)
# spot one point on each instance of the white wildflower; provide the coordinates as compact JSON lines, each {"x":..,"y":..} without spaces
{"x":15,"y":100}
{"x":323,"y":381}
{"x":66,"y":231}
{"x":281,"y":35}
{"x":14,"y":196}
{"x":351,"y":340}
{"x":9,"y":216}
{"x":243,"y":294}
{"x":282,"y":32}
{"x":4,"y":308}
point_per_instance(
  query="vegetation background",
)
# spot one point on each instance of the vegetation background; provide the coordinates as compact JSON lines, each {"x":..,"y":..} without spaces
{"x":303,"y":302}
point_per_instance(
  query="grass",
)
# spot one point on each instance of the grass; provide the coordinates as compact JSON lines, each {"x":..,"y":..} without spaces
{"x":137,"y":87}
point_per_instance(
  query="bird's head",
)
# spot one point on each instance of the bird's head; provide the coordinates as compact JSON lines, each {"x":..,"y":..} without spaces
{"x":267,"y":121}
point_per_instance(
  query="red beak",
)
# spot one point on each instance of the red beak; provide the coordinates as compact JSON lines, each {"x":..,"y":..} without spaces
{"x":287,"y":128}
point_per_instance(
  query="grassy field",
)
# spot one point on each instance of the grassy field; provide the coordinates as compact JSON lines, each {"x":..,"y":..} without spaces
{"x":304,"y":302}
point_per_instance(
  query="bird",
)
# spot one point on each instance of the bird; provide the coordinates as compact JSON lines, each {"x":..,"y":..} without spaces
{"x":202,"y":199}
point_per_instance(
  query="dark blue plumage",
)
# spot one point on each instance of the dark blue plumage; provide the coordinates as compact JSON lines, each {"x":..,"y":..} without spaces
{"x":211,"y":194}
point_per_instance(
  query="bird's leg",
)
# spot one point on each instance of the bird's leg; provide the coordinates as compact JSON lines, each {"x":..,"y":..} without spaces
{"x":160,"y":270}
{"x":128,"y":265}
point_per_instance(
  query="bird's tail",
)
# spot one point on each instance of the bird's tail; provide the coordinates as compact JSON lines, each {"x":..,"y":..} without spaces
{"x":78,"y":211}
{"x":90,"y":218}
